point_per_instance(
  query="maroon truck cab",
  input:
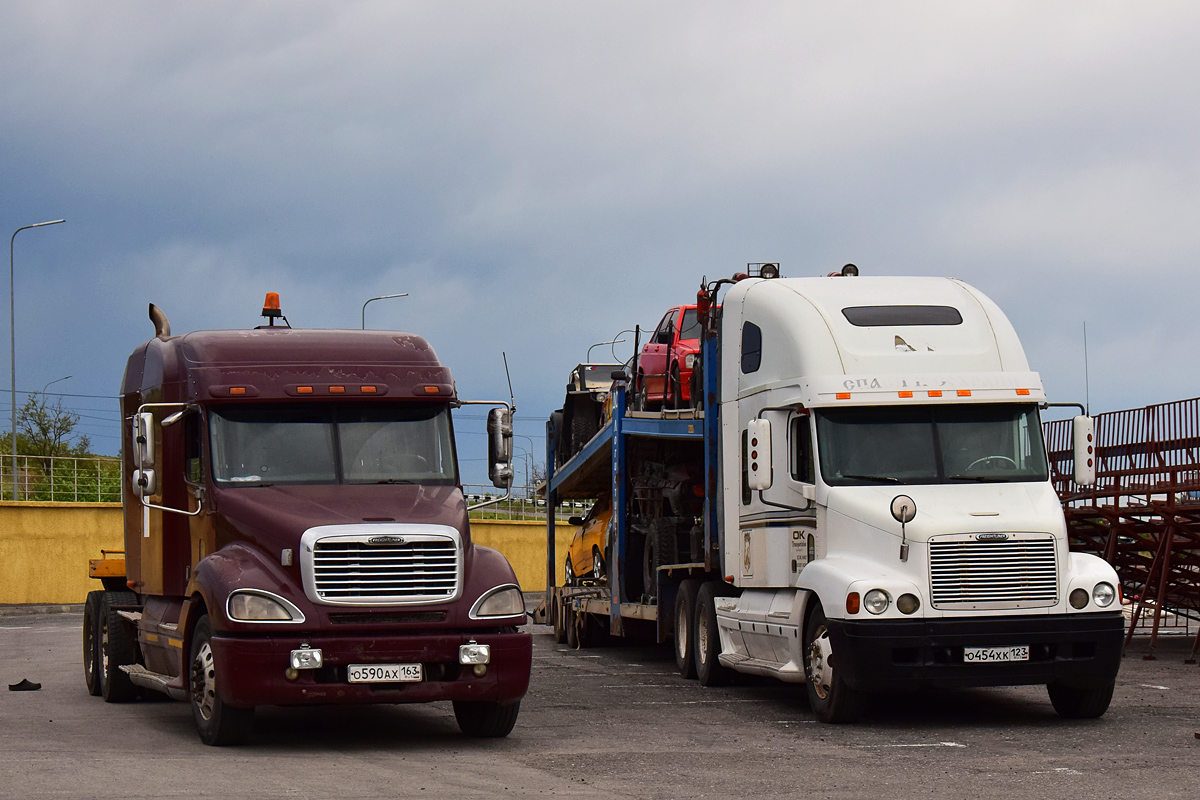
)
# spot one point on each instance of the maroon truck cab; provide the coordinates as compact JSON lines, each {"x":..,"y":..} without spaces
{"x":296,"y":533}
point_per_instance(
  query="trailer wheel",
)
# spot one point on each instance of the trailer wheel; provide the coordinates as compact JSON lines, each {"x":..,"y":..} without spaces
{"x":1074,"y":703}
{"x":116,"y":647}
{"x":709,"y":670}
{"x":486,"y":720}
{"x":217,"y":723}
{"x":91,"y":647}
{"x":571,"y":621}
{"x":685,"y":616}
{"x":828,"y":695}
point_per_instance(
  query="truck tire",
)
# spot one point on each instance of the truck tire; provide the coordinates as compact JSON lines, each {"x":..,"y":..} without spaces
{"x":709,"y":670}
{"x":685,"y":621}
{"x":484,"y":719}
{"x":91,"y":646}
{"x":571,"y":622}
{"x":217,"y":723}
{"x":828,"y":695}
{"x":1074,"y":703}
{"x":116,"y":647}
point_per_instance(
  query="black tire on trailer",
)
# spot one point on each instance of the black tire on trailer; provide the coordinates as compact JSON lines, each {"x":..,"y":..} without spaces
{"x":486,"y":720}
{"x":116,"y":647}
{"x":556,"y":425}
{"x":640,"y":397}
{"x":830,"y":698}
{"x":560,"y":621}
{"x":217,"y":723}
{"x":651,"y":560}
{"x":709,"y":670}
{"x":697,"y":387}
{"x":685,"y":621}
{"x":1075,"y":703}
{"x":593,"y":630}
{"x":572,"y":623}
{"x":632,"y":568}
{"x":676,"y":388}
{"x":91,"y":639}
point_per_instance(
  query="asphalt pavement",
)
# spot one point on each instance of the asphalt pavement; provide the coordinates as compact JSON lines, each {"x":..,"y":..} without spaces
{"x":613,"y":721}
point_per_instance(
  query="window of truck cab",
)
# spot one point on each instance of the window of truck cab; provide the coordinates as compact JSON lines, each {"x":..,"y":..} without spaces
{"x":926,"y":444}
{"x":328,"y":443}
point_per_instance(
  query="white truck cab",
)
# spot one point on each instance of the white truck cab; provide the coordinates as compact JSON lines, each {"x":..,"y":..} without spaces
{"x":887,"y":514}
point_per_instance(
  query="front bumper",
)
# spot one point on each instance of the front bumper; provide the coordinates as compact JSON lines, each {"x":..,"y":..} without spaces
{"x":1079,"y":650}
{"x":250,"y":669}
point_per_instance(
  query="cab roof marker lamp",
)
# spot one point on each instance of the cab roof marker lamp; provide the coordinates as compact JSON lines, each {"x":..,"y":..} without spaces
{"x":843,"y":395}
{"x":906,"y":394}
{"x":935,"y":392}
{"x":1023,"y":392}
{"x":964,"y":392}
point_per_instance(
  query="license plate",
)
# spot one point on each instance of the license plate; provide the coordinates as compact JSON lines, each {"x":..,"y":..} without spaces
{"x":989,"y":655}
{"x":384,"y":673}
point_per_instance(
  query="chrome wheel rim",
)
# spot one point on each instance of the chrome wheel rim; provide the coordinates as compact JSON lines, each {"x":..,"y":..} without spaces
{"x":597,"y":566}
{"x":89,"y":645}
{"x":569,"y":573}
{"x":681,"y":634}
{"x":204,"y":682}
{"x":820,"y":664}
{"x":103,"y":650}
{"x":702,"y":638}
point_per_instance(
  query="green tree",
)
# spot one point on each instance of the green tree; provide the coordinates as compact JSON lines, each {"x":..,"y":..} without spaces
{"x":45,"y":429}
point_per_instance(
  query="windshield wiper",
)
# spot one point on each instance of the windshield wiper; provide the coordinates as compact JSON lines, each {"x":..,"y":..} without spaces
{"x":978,"y":479}
{"x":876,"y":478}
{"x":395,"y":481}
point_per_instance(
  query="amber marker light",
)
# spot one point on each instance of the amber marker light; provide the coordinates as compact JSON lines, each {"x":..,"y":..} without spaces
{"x":367,"y":389}
{"x":843,"y":395}
{"x":935,"y":392}
{"x":337,"y":389}
{"x":852,"y":603}
{"x":237,"y":390}
{"x":304,"y":390}
{"x":964,"y":392}
{"x":1023,"y":392}
{"x":432,"y":390}
{"x":906,"y":394}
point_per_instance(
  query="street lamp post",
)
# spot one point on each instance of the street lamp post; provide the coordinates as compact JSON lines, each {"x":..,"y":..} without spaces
{"x":381,"y":297}
{"x":12,"y":334}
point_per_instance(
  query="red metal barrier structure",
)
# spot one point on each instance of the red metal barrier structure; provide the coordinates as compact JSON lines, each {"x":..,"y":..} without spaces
{"x":1143,"y":513}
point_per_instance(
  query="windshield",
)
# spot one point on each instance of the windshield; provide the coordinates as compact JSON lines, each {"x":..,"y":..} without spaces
{"x":930,"y":444}
{"x":354,"y":443}
{"x":690,"y":327}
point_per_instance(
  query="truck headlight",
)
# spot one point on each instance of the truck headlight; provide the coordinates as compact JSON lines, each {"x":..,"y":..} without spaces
{"x":1104,"y":594}
{"x":876,"y":601}
{"x":1079,"y":598}
{"x":908,"y":603}
{"x":473,"y":653}
{"x":503,"y":601}
{"x":255,"y":605}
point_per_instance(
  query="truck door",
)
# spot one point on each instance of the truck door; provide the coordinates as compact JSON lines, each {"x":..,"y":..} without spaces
{"x":654,"y":357}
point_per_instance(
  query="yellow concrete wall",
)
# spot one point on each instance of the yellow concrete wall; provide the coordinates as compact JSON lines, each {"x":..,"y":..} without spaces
{"x":524,"y":545}
{"x":45,"y":547}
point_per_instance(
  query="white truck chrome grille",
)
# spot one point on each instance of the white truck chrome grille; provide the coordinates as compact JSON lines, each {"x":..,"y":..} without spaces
{"x":374,"y":569}
{"x":1018,"y":572}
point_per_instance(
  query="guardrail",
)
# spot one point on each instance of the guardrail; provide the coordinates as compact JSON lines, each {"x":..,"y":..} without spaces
{"x":62,"y":479}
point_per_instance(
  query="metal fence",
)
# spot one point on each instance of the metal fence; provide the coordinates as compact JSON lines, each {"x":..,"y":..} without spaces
{"x":62,"y":479}
{"x":524,"y":505}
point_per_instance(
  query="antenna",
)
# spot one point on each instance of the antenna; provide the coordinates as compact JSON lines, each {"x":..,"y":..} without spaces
{"x":511,"y":397}
{"x":1087,"y":394}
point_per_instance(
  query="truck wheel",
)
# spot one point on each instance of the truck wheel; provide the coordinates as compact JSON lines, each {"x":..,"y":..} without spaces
{"x":217,"y":723}
{"x":91,"y":648}
{"x":117,"y":647}
{"x":571,"y":621}
{"x":685,"y":616}
{"x":1074,"y":703}
{"x":709,"y":670}
{"x":486,"y":720}
{"x":828,"y":695}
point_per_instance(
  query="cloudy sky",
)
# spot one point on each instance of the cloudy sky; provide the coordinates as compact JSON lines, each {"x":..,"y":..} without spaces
{"x":540,"y":176}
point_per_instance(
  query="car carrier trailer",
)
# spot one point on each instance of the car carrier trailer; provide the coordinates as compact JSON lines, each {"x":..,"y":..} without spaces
{"x":862,"y":504}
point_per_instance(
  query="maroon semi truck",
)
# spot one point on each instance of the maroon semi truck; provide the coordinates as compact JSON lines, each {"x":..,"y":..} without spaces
{"x":296,"y":534}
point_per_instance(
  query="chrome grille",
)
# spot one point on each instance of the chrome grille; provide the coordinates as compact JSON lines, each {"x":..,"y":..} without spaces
{"x":419,"y":570}
{"x":1021,"y":572}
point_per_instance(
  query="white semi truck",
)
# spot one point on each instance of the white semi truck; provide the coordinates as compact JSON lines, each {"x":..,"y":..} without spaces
{"x":862,"y":504}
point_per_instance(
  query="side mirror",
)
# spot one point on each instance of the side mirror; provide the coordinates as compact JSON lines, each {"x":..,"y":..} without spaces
{"x":758,"y":461}
{"x":577,"y":521}
{"x":143,"y":440}
{"x":500,"y":447}
{"x":1083,"y":430}
{"x":145,"y":483}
